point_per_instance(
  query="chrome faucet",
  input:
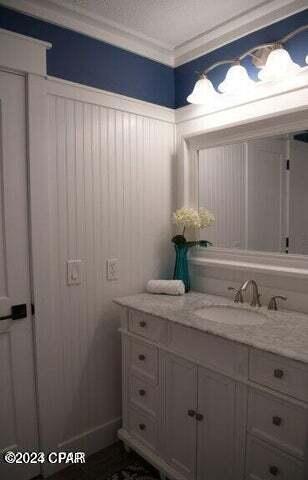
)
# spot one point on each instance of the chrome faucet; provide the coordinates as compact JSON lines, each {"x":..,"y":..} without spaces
{"x":255,"y":302}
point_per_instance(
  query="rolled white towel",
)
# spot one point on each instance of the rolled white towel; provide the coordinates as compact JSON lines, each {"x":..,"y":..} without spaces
{"x":168,"y":287}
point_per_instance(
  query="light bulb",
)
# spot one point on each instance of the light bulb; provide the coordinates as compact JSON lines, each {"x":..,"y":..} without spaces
{"x":278,"y":65}
{"x":203,"y":92}
{"x":237,"y":81}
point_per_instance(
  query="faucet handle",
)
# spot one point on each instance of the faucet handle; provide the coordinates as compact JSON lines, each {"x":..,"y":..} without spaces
{"x":272,"y":305}
{"x":238,"y":297}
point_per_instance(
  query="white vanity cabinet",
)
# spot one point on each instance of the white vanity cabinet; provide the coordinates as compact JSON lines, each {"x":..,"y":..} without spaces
{"x":201,"y":407}
{"x":179,"y":410}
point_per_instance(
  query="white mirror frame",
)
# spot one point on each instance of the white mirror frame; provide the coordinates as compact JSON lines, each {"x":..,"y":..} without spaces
{"x":273,"y":109}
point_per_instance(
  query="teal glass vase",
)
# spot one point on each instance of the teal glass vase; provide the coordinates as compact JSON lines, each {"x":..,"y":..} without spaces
{"x":181,"y":271}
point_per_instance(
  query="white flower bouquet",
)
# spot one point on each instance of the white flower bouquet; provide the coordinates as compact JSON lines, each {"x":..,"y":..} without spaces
{"x":188,"y":219}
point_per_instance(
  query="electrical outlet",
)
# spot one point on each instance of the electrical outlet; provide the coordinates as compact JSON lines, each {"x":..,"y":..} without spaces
{"x":74,"y":272}
{"x":112,"y":269}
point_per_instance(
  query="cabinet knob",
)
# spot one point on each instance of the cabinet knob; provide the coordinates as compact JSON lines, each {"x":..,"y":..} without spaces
{"x":278,"y":373}
{"x":142,"y":392}
{"x":199,"y":417}
{"x":142,"y":426}
{"x":141,"y":357}
{"x":143,"y":324}
{"x":277,"y":421}
{"x":191,"y":413}
{"x":273,"y":470}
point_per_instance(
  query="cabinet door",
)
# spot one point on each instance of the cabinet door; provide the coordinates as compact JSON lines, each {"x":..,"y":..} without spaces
{"x":180,"y":402}
{"x":217,"y":443}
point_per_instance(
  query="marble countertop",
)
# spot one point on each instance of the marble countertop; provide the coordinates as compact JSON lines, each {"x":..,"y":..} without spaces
{"x":283,"y":332}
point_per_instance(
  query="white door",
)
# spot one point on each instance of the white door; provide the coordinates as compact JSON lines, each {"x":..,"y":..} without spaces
{"x":18,"y":422}
{"x":298,"y":197}
{"x":216,"y":427}
{"x":180,"y":402}
{"x":222,"y":175}
{"x":266,"y":194}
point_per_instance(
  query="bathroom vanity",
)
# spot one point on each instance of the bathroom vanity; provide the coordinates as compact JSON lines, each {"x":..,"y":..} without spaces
{"x":214,"y":390}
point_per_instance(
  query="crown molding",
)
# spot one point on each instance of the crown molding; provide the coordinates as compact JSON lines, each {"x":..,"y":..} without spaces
{"x":251,"y":21}
{"x":94,"y":26}
{"x":75,"y":18}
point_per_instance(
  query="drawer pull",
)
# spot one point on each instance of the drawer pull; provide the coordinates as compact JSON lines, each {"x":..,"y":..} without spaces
{"x":142,"y":392}
{"x":199,"y":417}
{"x":143,"y":324}
{"x":142,"y":426}
{"x":141,"y":357}
{"x":277,"y":421}
{"x":278,"y":373}
{"x":273,"y":470}
{"x":191,"y":413}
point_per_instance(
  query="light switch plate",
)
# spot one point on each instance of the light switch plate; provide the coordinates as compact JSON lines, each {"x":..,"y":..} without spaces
{"x":74,"y":272}
{"x":112,"y":269}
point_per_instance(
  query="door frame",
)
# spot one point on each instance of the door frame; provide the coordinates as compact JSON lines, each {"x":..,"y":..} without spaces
{"x":31,"y":314}
{"x":26,"y":57}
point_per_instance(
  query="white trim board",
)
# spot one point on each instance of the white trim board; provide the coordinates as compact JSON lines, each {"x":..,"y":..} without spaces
{"x":251,"y":266}
{"x":112,"y":100}
{"x":88,"y":442}
{"x":261,"y":92}
{"x":75,"y":18}
{"x":22,"y":53}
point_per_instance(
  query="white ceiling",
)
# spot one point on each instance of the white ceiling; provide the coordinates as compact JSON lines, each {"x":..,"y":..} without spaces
{"x":168,"y":22}
{"x":172,"y":32}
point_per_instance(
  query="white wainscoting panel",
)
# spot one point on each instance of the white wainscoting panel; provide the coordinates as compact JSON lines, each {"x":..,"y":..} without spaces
{"x":110,"y":182}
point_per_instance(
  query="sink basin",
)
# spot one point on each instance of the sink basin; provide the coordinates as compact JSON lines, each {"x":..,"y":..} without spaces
{"x":231,"y":315}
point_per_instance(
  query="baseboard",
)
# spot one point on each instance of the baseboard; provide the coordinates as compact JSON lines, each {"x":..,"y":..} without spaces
{"x":149,"y":455}
{"x":89,"y":442}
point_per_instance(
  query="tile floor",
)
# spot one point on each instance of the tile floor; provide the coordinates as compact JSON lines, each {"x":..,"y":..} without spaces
{"x":107,"y":465}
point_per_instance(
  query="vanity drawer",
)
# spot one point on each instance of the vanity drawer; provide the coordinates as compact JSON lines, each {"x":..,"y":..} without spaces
{"x":143,"y":360}
{"x":210,"y":351}
{"x":148,"y":326}
{"x":286,"y":376}
{"x":143,"y":427}
{"x":278,"y":422}
{"x":143,"y":395}
{"x":268,"y":463}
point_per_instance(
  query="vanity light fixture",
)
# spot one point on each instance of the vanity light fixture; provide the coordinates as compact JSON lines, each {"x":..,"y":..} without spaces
{"x":237,"y":80}
{"x":203,"y":91}
{"x":278,"y":65}
{"x":272,"y":58}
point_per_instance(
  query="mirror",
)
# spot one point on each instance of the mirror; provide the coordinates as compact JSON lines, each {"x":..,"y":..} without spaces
{"x":258,"y":192}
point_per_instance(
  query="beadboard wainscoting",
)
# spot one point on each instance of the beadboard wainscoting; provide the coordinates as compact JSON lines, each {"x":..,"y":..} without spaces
{"x":102,"y":189}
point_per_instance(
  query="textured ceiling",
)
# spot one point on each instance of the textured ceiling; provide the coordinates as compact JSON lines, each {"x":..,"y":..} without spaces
{"x":168,"y":22}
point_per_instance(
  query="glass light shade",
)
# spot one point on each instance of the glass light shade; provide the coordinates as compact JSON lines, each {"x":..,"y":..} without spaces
{"x":278,"y":65}
{"x":237,"y":81}
{"x":203,"y":92}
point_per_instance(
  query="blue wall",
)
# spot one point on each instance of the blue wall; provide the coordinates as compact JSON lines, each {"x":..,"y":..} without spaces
{"x":185,"y":75}
{"x":79,"y":58}
{"x":82,"y":59}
